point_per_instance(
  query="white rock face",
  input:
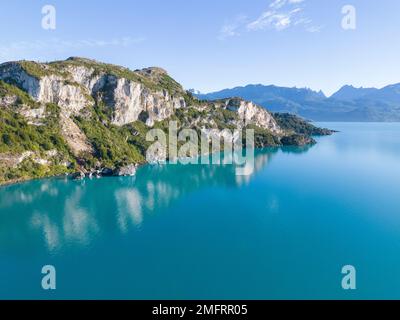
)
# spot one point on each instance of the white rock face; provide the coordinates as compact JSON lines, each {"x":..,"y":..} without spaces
{"x":160,"y":105}
{"x":129,"y":170}
{"x":70,"y":97}
{"x":84,"y":76}
{"x":49,"y":89}
{"x":250,"y":113}
{"x":128,"y":103}
{"x":130,"y":100}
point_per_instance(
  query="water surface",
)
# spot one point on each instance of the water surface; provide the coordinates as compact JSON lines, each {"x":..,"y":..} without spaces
{"x":201,"y":232}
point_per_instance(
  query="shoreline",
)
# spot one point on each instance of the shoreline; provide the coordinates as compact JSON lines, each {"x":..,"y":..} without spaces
{"x":79,"y":175}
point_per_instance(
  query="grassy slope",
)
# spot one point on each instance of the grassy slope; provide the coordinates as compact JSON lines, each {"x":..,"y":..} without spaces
{"x":17,"y":136}
{"x":298,"y":125}
{"x":113,"y":146}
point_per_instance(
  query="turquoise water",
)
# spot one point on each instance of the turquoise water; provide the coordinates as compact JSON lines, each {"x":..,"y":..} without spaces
{"x":201,"y":232}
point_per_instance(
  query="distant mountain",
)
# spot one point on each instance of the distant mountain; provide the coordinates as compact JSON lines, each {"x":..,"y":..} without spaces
{"x":348,"y":104}
{"x":389,"y":94}
{"x":261,"y":93}
{"x":351,"y":93}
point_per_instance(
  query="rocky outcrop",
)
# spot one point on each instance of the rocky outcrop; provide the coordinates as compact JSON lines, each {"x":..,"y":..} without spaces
{"x":297,"y":140}
{"x":292,"y":123}
{"x":131,"y":101}
{"x":13,"y":160}
{"x":47,"y":89}
{"x":128,"y":170}
{"x":251,"y":114}
{"x":70,"y":97}
{"x":73,"y":135}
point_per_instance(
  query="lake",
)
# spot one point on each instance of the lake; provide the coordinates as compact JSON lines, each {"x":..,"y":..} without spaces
{"x":201,"y":232}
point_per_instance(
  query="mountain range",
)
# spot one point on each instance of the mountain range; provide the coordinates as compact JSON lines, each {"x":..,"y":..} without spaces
{"x":347,"y":104}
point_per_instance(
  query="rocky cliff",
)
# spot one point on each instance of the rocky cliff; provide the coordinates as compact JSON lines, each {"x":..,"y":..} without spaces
{"x":80,"y":114}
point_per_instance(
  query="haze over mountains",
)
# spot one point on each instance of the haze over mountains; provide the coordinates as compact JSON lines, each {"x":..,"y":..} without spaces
{"x":347,"y":104}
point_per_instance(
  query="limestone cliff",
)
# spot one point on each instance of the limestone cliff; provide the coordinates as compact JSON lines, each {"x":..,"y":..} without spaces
{"x":96,"y":115}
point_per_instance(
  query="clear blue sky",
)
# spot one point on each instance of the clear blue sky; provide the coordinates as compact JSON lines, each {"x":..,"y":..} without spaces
{"x":211,"y":45}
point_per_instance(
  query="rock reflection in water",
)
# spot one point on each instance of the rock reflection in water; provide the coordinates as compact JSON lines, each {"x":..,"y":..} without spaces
{"x":60,"y":212}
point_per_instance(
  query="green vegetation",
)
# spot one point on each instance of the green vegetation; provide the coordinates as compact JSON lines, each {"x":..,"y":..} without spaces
{"x":224,"y":118}
{"x":34,"y":69}
{"x":22,"y":97}
{"x":167,"y":83}
{"x":187,"y":116}
{"x":113,"y":146}
{"x":162,"y":82}
{"x":293,"y":123}
{"x":297,"y":140}
{"x":153,"y":78}
{"x":263,"y":138}
{"x":39,"y":70}
{"x":29,"y":169}
{"x":17,"y":136}
{"x":190,"y":100}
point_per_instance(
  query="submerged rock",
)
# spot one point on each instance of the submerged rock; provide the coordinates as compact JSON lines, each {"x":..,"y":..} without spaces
{"x":129,"y":170}
{"x":106,"y":172}
{"x":78,"y":175}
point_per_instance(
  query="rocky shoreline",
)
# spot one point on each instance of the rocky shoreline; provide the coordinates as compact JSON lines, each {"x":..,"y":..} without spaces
{"x":124,"y":171}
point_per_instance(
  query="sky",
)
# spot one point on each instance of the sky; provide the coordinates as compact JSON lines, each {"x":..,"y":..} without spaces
{"x":211,"y":45}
